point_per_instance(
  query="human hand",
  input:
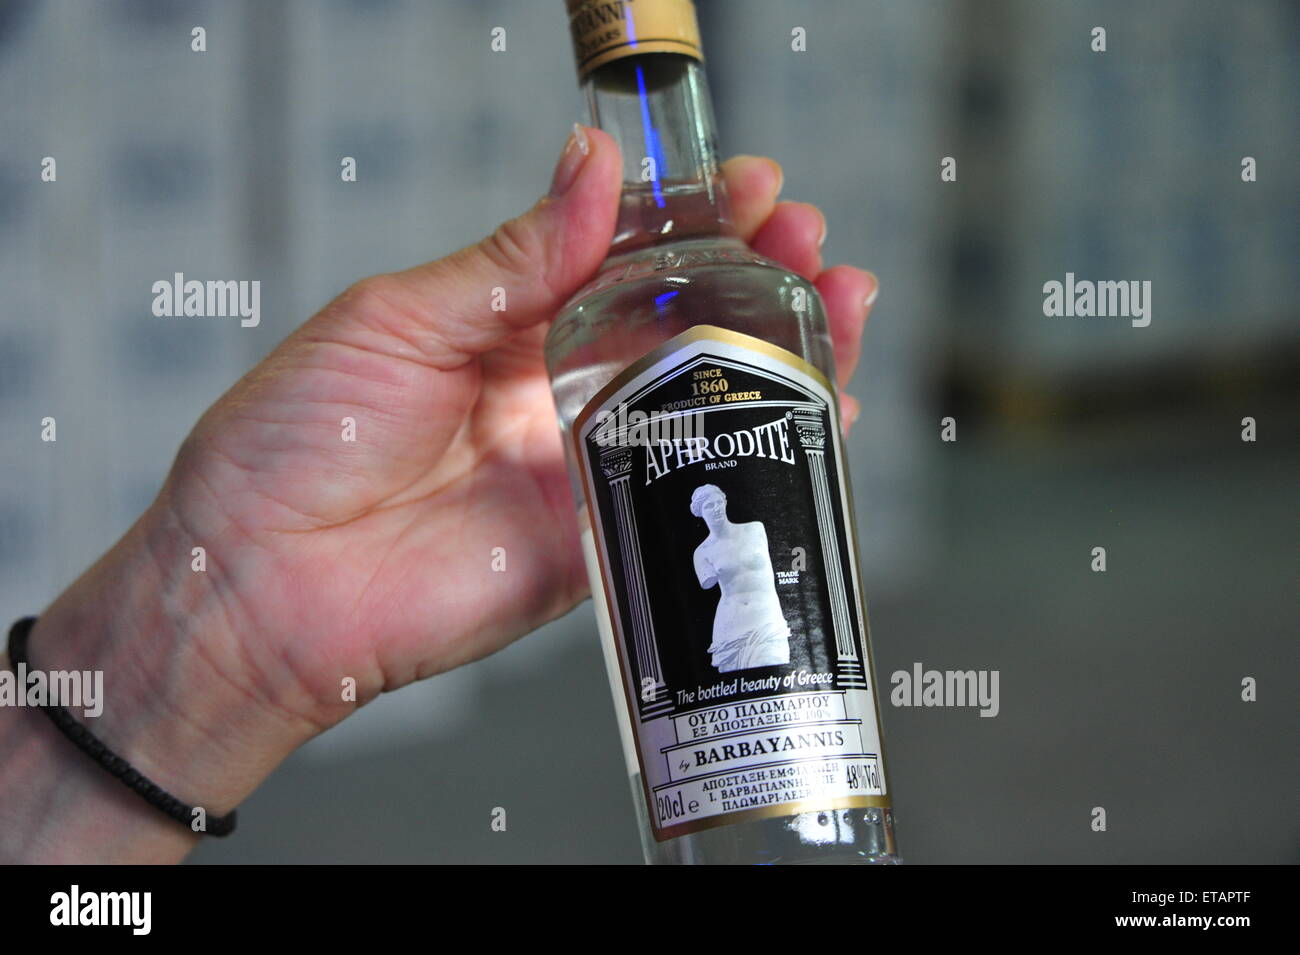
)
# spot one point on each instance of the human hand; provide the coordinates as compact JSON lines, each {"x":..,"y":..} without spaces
{"x":371,"y":559}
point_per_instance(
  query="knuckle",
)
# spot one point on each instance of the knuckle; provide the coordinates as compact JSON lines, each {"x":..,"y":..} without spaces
{"x":515,"y":247}
{"x":371,"y":296}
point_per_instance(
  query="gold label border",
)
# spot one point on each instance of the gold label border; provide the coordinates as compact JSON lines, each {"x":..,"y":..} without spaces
{"x":694,"y":334}
{"x":776,"y":810}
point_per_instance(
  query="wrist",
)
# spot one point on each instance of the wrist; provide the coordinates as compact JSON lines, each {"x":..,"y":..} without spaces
{"x":177,"y":703}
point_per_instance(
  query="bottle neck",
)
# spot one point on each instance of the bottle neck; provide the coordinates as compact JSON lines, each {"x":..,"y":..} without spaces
{"x":656,"y":106}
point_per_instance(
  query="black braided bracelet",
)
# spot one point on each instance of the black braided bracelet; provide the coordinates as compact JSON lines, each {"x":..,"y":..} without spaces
{"x":154,"y":795}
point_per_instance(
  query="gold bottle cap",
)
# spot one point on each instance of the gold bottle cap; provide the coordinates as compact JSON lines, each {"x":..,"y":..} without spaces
{"x":605,"y":30}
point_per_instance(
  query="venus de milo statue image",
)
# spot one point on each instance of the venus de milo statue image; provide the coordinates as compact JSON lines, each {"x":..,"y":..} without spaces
{"x":749,"y":629}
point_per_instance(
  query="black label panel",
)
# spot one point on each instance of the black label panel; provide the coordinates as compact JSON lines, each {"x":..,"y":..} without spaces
{"x":724,"y":551}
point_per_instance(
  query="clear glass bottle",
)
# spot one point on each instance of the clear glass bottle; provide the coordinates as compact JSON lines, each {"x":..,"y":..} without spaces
{"x":677,"y":263}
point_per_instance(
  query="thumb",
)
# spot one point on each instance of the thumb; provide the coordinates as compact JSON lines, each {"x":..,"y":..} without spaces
{"x":473,"y":300}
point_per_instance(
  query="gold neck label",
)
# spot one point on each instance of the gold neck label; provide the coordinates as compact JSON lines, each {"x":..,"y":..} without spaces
{"x":605,"y":30}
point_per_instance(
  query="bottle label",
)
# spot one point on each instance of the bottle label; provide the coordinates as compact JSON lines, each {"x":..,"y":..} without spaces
{"x":727,"y":558}
{"x":605,"y":30}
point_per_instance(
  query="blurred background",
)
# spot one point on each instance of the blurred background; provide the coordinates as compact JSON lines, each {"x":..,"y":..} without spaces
{"x":1119,"y":689}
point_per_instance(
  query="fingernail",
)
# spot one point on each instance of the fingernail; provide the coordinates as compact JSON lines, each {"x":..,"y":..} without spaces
{"x":873,"y":291}
{"x":780,"y":175}
{"x":576,"y":150}
{"x":821,"y":240}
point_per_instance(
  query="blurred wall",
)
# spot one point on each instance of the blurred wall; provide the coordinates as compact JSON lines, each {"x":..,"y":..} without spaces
{"x":1119,"y":689}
